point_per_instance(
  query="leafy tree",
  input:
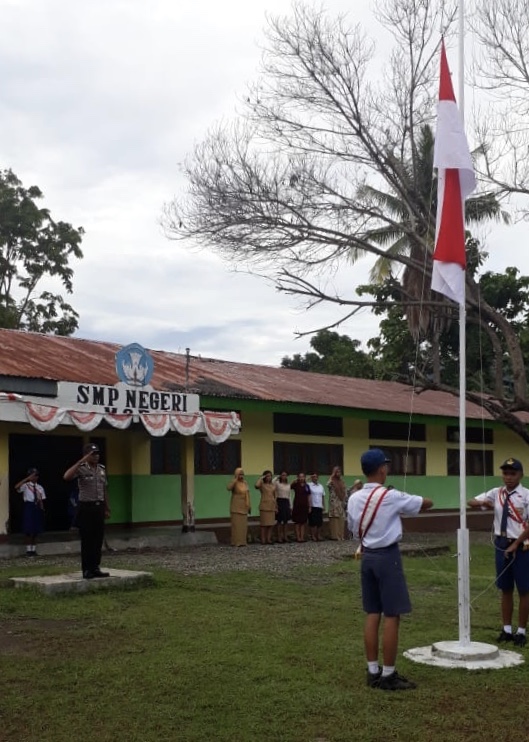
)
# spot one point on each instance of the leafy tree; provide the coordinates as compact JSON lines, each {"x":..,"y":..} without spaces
{"x":330,"y":162}
{"x":34,"y":247}
{"x":333,"y":354}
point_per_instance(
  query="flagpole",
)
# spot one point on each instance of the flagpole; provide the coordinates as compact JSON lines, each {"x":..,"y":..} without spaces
{"x":455,"y":182}
{"x":463,"y":549}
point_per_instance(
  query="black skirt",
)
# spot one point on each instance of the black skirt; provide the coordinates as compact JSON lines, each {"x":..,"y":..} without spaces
{"x":316,"y":518}
{"x":283,"y":510}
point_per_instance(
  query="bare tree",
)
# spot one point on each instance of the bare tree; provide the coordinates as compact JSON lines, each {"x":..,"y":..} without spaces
{"x":501,"y":29}
{"x":327,"y":163}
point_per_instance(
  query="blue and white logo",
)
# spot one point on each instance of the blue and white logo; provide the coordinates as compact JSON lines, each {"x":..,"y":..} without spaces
{"x":134,"y":365}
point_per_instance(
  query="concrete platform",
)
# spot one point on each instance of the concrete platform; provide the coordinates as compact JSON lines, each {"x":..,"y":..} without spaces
{"x":471,"y":656}
{"x":67,"y":542}
{"x":74,"y":582}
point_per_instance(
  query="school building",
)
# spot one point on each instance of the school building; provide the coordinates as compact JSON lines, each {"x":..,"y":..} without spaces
{"x":173,"y":427}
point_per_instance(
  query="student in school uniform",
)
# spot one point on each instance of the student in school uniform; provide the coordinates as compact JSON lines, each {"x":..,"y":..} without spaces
{"x":511,"y":516}
{"x":33,"y":519}
{"x":374,"y":517}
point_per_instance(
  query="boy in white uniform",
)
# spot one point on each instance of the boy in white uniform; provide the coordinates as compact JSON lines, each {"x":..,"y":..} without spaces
{"x":373,"y":516}
{"x":511,"y":516}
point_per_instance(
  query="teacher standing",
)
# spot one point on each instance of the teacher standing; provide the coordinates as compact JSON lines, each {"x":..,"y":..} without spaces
{"x":240,"y":508}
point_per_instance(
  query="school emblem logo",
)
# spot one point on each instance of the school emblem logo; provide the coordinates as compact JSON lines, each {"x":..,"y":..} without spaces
{"x":134,"y":365}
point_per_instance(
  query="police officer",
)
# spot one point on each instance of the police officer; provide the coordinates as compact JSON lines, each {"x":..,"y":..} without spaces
{"x":511,"y":514}
{"x":374,"y":517}
{"x":92,"y":510}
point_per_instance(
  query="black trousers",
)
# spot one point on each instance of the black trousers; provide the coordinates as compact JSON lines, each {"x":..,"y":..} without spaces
{"x":91,"y":524}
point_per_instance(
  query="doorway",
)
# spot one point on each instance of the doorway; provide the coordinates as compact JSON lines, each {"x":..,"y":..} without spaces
{"x":51,"y":455}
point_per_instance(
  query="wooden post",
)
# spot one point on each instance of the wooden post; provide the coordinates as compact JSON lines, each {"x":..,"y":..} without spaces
{"x":187,"y":452}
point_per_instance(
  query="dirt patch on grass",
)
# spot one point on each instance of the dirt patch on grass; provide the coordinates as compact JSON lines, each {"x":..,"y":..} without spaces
{"x":33,"y":637}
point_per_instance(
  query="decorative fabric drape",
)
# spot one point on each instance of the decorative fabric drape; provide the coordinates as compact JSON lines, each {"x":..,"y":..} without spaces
{"x":217,"y":426}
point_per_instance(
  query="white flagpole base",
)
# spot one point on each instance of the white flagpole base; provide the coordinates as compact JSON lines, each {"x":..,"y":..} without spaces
{"x":469,"y":656}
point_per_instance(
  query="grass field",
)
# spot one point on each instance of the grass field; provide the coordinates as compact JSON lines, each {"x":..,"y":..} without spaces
{"x":247,"y":656}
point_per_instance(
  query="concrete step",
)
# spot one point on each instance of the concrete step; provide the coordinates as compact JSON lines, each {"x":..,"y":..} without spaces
{"x":54,"y":544}
{"x":74,"y":583}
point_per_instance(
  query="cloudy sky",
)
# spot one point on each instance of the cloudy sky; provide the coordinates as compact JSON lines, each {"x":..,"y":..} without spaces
{"x":100,"y":103}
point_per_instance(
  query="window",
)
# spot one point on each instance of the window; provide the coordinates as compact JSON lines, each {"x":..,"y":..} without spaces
{"x":221,"y":459}
{"x":406,"y":460}
{"x":479,"y":463}
{"x":286,"y":422}
{"x":165,"y":455}
{"x":391,"y":431}
{"x":307,"y":457}
{"x":474,"y":435}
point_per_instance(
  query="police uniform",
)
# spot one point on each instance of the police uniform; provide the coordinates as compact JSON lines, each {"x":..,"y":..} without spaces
{"x":92,"y":481}
{"x":384,"y":588}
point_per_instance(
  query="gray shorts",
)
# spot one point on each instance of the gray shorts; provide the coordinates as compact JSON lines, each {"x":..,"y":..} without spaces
{"x":384,"y":588}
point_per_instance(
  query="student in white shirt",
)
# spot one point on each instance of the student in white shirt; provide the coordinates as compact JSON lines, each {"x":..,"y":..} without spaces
{"x":511,"y":514}
{"x":33,"y":519}
{"x":374,"y":517}
{"x":317,"y":506}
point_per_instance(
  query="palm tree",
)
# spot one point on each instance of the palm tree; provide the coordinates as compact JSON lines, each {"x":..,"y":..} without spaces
{"x":408,"y":216}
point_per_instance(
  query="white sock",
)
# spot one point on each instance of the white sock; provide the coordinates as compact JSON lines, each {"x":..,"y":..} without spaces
{"x":520,"y":631}
{"x":373,"y":668}
{"x":387,"y":670}
{"x":507,"y":629}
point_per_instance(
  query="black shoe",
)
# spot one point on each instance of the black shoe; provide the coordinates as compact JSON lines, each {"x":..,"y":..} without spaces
{"x":504,"y":636}
{"x":97,"y":573}
{"x":87,"y":575}
{"x":373,"y":678}
{"x":519,"y":640}
{"x":395,"y":682}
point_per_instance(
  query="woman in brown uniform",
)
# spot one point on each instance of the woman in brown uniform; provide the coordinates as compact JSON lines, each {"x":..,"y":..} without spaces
{"x":267,"y":506}
{"x":336,"y":487}
{"x":239,"y":508}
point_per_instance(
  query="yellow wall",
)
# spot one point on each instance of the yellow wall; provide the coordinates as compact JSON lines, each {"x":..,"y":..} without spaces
{"x":354,"y":443}
{"x":435,"y":450}
{"x":257,"y":441}
{"x":507,"y":444}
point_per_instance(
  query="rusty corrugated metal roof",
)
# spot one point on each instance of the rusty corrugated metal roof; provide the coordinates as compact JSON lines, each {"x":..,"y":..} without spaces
{"x":37,"y":356}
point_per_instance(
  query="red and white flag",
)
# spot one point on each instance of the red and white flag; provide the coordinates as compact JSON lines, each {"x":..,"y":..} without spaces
{"x":456,"y":181}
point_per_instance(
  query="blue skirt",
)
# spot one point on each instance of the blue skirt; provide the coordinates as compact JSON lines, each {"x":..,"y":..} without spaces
{"x":33,"y":521}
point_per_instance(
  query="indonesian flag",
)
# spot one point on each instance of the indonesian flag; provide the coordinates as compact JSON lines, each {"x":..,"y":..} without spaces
{"x":456,"y":181}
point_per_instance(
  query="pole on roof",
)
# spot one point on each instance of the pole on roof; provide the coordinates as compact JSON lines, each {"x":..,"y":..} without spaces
{"x":188,"y":360}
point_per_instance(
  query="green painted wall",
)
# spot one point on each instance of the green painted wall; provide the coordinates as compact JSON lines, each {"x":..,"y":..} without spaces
{"x":119,"y":497}
{"x":158,"y":498}
{"x":155,"y":498}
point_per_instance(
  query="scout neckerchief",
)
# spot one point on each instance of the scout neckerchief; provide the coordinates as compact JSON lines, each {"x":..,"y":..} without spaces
{"x":368,"y":515}
{"x":36,"y":496}
{"x":513,"y":514}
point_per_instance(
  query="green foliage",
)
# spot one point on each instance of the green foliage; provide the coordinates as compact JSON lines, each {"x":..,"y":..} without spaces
{"x":394,"y":355}
{"x":34,"y":248}
{"x":334,"y":354}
